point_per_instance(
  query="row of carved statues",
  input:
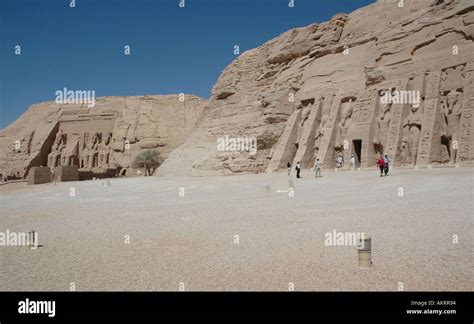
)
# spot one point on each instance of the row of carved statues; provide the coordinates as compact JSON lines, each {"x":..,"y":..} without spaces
{"x":450,"y":115}
{"x":93,"y":150}
{"x":449,"y":107}
{"x":87,"y":151}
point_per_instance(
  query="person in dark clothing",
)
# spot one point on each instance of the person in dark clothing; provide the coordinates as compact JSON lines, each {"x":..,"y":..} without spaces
{"x":289,"y":168}
{"x":386,"y":161}
{"x":298,"y":169}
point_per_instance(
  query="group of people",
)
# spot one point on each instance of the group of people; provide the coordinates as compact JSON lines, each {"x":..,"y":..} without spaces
{"x":317,"y":169}
{"x":340,"y":161}
{"x":383,"y":164}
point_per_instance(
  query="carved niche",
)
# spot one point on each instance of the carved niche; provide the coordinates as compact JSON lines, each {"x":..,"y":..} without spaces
{"x":450,"y":102}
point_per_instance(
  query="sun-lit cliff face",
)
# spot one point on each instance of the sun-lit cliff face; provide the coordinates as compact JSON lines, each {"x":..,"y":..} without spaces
{"x":106,"y":136}
{"x":316,"y":92}
{"x":383,"y":79}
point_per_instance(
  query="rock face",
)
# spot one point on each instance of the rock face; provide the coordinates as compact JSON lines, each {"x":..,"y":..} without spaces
{"x":100,"y":140}
{"x":385,"y":78}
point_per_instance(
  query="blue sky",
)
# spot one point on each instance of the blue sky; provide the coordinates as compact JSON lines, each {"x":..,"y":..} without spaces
{"x":173,"y":49}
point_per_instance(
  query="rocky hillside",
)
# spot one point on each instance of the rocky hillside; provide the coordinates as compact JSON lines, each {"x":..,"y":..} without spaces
{"x":347,"y":59}
{"x":134,"y":124}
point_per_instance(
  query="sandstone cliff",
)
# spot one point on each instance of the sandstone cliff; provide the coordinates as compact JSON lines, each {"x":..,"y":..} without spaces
{"x":106,"y":136}
{"x":314,"y":92}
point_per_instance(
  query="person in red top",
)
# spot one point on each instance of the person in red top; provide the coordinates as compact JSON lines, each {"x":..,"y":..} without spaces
{"x":381,"y":164}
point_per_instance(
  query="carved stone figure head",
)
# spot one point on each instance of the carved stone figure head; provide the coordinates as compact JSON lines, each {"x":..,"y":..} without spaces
{"x":94,"y":139}
{"x":346,"y":109}
{"x":452,"y":97}
{"x":107,"y":138}
{"x":324,"y":119}
{"x":59,"y":136}
{"x":415,"y":107}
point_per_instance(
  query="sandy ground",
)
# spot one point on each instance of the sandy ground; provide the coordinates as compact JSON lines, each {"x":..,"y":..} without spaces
{"x":191,"y":240}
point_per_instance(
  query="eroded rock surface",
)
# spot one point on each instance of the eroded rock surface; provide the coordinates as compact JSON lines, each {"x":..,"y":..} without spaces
{"x":99,"y":139}
{"x":315,"y":92}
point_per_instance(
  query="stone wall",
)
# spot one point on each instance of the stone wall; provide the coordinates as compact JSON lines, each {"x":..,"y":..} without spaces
{"x":66,"y":173}
{"x":39,"y":175}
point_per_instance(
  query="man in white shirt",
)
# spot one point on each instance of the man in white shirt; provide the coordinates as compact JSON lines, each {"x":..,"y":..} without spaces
{"x":353,"y":162}
{"x":317,"y":168}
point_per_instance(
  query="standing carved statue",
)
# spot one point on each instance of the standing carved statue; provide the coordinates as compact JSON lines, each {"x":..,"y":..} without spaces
{"x":404,"y":151}
{"x":344,"y":124}
{"x":319,"y":135}
{"x":451,"y":109}
{"x":304,"y":116}
{"x":382,"y":126}
{"x":412,"y":132}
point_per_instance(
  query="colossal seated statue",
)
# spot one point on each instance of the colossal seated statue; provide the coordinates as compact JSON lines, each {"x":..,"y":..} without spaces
{"x":89,"y":153}
{"x":70,"y":154}
{"x":104,"y":150}
{"x":54,"y":158}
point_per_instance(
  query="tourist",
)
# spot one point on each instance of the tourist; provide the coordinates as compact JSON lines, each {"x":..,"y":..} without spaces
{"x":386,"y":161}
{"x":298,"y":170}
{"x":353,"y":162}
{"x":381,"y":164}
{"x":289,"y":168}
{"x":53,"y":176}
{"x":338,"y":161}
{"x":317,"y":168}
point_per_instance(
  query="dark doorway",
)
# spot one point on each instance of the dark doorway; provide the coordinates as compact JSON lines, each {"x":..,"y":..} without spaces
{"x":357,"y":145}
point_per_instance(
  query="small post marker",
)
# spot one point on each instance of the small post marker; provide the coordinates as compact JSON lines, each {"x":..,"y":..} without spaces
{"x":32,"y":240}
{"x":365,"y":252}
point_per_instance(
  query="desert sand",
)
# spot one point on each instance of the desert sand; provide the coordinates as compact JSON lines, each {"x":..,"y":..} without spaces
{"x":190,"y":241}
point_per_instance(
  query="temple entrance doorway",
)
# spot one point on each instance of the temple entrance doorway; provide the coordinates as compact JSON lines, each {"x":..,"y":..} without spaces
{"x":357,"y":151}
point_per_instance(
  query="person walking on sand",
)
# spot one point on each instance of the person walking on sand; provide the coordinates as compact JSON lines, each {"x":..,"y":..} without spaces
{"x":386,"y":161}
{"x":338,"y":161}
{"x":353,"y":162}
{"x":317,"y":168}
{"x":298,"y":170}
{"x":381,"y":164}
{"x":289,"y":168}
{"x":53,"y":176}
